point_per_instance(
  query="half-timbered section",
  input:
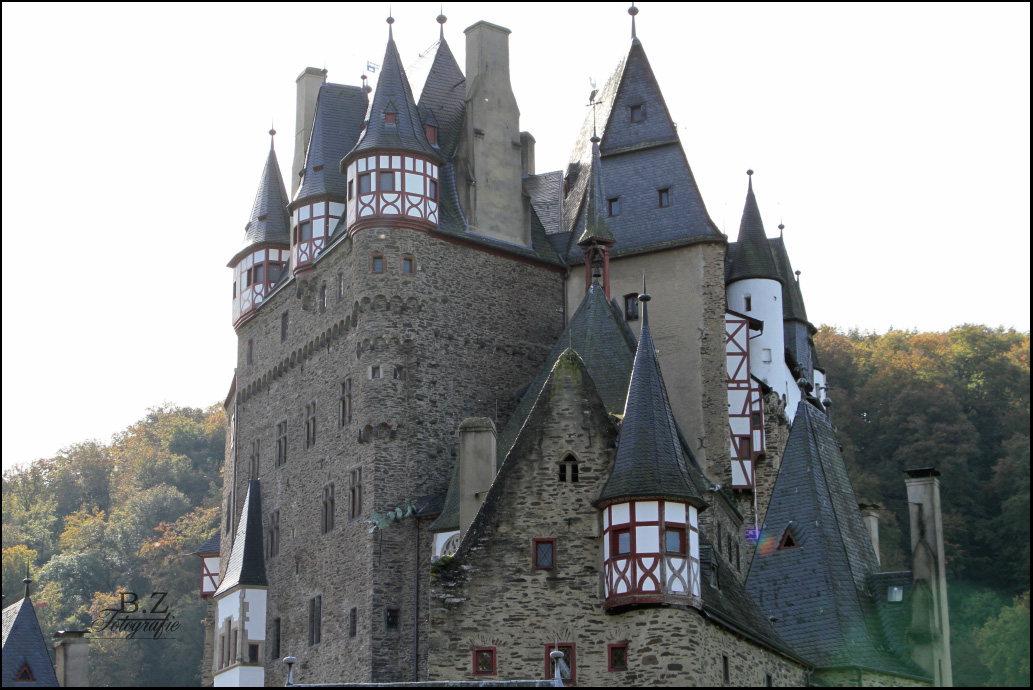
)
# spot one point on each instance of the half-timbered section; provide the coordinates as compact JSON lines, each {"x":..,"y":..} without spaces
{"x":745,"y":409}
{"x":209,"y":555}
{"x":311,"y":225}
{"x":254,"y":278}
{"x":393,"y":186}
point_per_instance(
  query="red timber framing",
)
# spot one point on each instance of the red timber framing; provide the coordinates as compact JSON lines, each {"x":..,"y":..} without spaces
{"x":311,"y":226}
{"x":651,"y":553}
{"x":209,"y":573}
{"x":254,"y":278}
{"x":394,"y":186}
{"x":745,"y":407}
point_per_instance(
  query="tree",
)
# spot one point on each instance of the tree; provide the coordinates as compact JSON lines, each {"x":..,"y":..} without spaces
{"x":1004,"y":644}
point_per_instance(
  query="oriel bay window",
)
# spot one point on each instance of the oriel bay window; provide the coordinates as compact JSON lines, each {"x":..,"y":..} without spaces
{"x":394,"y":185}
{"x":312,"y":224}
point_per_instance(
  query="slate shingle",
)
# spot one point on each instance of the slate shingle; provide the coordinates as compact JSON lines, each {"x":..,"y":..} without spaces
{"x":23,"y":644}
{"x":752,"y":258}
{"x":335,"y":129}
{"x":246,"y":565}
{"x":270,"y":221}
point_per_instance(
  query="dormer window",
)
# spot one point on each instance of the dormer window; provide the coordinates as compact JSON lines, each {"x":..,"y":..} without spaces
{"x":638,"y":113}
{"x":788,"y":542}
{"x":432,"y":135}
{"x":664,"y":197}
{"x":613,"y":207}
{"x":389,"y":118}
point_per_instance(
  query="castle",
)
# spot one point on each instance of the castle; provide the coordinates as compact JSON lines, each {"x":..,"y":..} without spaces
{"x":466,"y":444}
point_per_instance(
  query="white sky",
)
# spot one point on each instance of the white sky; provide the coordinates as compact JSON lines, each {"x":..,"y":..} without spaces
{"x":893,"y":141}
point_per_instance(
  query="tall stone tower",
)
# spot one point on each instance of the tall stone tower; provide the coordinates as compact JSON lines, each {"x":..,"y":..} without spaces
{"x":385,"y":323}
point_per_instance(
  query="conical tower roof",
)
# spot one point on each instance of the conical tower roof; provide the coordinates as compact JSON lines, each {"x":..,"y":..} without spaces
{"x":24,"y":646}
{"x":650,"y":462}
{"x":394,"y":95}
{"x":443,"y":99}
{"x":596,"y":227}
{"x":246,"y":566}
{"x":270,"y":221}
{"x":753,"y":258}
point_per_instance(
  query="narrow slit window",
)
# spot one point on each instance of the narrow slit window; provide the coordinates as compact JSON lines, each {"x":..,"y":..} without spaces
{"x":664,"y":197}
{"x":613,"y":206}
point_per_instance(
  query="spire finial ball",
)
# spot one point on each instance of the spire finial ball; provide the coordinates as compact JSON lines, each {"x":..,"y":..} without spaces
{"x":781,"y":227}
{"x":272,"y":132}
{"x":632,"y":10}
{"x":390,"y":20}
{"x":442,"y":19}
{"x":644,"y":297}
{"x":750,"y":172}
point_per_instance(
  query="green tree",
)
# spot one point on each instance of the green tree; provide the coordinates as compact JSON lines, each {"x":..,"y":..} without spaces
{"x":1004,"y":645}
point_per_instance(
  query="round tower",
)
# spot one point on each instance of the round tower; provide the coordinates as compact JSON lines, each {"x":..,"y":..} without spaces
{"x":262,"y":260}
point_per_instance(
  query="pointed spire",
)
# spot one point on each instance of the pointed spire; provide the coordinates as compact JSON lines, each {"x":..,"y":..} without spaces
{"x":270,"y":221}
{"x":650,"y":462}
{"x":441,"y":19}
{"x":596,"y":226}
{"x":633,"y":11}
{"x":247,"y":562}
{"x":753,"y":258}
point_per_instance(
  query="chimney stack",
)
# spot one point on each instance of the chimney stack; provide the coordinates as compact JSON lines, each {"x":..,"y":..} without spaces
{"x":477,"y":442}
{"x":71,"y":652}
{"x":526,"y":153}
{"x":489,"y":157}
{"x":871,"y":521}
{"x":930,"y":626}
{"x":308,"y":82}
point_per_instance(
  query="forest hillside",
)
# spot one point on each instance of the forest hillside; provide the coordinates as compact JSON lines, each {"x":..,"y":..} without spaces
{"x":100,"y":519}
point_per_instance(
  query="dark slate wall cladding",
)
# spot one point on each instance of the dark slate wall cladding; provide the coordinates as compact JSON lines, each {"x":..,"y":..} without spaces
{"x":465,"y":338}
{"x":637,"y":88}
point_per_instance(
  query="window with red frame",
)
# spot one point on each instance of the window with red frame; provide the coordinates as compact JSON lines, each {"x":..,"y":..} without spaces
{"x":620,"y":541}
{"x":544,"y":554}
{"x":484,"y":661}
{"x":674,"y":540}
{"x":616,"y":657}
{"x":568,"y":668}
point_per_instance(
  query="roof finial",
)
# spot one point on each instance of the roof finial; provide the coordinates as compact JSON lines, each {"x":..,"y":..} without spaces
{"x":633,"y":11}
{"x":750,"y":174}
{"x":272,"y":134}
{"x":644,"y":300}
{"x":592,"y":103}
{"x":324,"y":72}
{"x":781,"y":227}
{"x":390,"y":21}
{"x":27,"y":581}
{"x":441,"y":20}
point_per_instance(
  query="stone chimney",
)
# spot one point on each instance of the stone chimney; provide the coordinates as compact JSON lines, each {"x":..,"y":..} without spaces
{"x":477,"y":441}
{"x":71,"y":652}
{"x":526,"y":153}
{"x":929,"y":634}
{"x":870,"y":515}
{"x":489,"y":158}
{"x":308,"y":82}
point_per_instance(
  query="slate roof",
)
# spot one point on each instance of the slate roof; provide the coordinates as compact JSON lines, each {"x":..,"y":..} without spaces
{"x":448,"y":520}
{"x":596,"y":227}
{"x":246,"y":566}
{"x":752,"y":258}
{"x":210,"y":546}
{"x":818,"y":590}
{"x":393,"y":94}
{"x":792,"y":299}
{"x":650,"y":460}
{"x":335,"y":129}
{"x":23,"y":644}
{"x":443,"y":98}
{"x":546,"y":192}
{"x":639,"y":159}
{"x":270,"y":221}
{"x":599,"y":335}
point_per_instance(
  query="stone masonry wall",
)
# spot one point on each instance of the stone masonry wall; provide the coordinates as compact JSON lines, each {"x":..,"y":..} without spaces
{"x":468,"y":329}
{"x":490,"y":596}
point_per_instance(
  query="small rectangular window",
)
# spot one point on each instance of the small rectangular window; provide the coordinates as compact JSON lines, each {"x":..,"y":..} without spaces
{"x":432,"y":135}
{"x":305,"y":231}
{"x":281,"y":443}
{"x":389,"y":118}
{"x":366,"y":183}
{"x":674,"y":540}
{"x":273,"y":547}
{"x":399,"y":374}
{"x":408,"y":265}
{"x":260,"y":273}
{"x":355,"y":493}
{"x":620,"y":541}
{"x":322,"y":298}
{"x":328,"y":508}
{"x":769,"y":682}
{"x":391,"y":619}
{"x":566,"y":664}
{"x":283,"y":327}
{"x":374,"y":371}
{"x":386,"y":181}
{"x":638,"y":113}
{"x":252,"y":653}
{"x":484,"y":661}
{"x":613,"y":206}
{"x":664,"y":197}
{"x":275,"y":271}
{"x":724,"y":668}
{"x":631,"y":307}
{"x":895,"y":594}
{"x":340,"y":287}
{"x":377,"y":263}
{"x":256,"y":446}
{"x":351,"y":189}
{"x":250,"y":351}
{"x":432,"y":190}
{"x":353,"y":622}
{"x":274,"y":641}
{"x":315,"y":620}
{"x":748,"y":302}
{"x":345,"y":402}
{"x":544,"y":554}
{"x":617,"y":657}
{"x":310,"y":425}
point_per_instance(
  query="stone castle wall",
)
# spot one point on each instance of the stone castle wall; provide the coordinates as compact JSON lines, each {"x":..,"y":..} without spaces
{"x":490,"y":595}
{"x":468,"y":329}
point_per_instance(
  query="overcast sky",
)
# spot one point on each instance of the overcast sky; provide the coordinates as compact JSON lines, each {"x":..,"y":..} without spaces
{"x":892,"y":140}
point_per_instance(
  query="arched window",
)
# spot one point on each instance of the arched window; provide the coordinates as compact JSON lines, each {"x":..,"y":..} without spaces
{"x":568,"y":469}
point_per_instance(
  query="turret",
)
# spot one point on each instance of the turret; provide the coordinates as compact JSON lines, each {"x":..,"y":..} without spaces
{"x":240,"y":649}
{"x":596,"y":240}
{"x":209,"y":555}
{"x":650,"y":505}
{"x":262,"y":259}
{"x":392,"y":172}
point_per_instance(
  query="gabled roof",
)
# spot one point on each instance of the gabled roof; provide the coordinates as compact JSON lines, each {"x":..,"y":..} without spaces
{"x":596,"y":228}
{"x":393,"y":94}
{"x":23,"y":644}
{"x":444,"y":99}
{"x":753,"y":258}
{"x":335,"y":129}
{"x":270,"y":221}
{"x":210,"y":546}
{"x":817,"y":591}
{"x":246,"y":566}
{"x":598,"y":334}
{"x":650,"y":459}
{"x":639,"y":158}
